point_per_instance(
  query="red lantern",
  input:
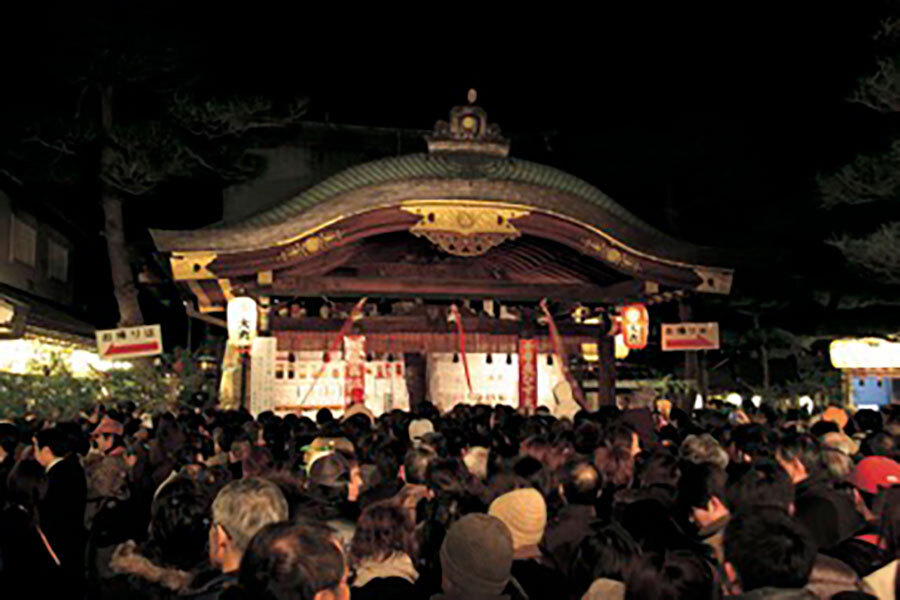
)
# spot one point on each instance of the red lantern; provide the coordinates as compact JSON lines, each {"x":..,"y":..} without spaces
{"x":635,"y":325}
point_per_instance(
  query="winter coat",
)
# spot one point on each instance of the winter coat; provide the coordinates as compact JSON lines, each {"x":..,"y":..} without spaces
{"x":776,"y":594}
{"x":863,"y":557}
{"x":389,"y":579}
{"x":883,"y":582}
{"x":538,"y":580}
{"x":828,"y":515}
{"x":136,"y":577}
{"x":830,"y":576}
{"x":565,"y":533}
{"x":27,"y":569}
{"x":605,"y":589}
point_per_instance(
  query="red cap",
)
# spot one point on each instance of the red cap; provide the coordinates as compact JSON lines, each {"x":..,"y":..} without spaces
{"x":875,"y":472}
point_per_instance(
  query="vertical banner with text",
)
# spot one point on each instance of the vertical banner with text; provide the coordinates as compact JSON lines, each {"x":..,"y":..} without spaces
{"x":355,"y":369}
{"x":528,"y":381}
{"x":262,"y":374}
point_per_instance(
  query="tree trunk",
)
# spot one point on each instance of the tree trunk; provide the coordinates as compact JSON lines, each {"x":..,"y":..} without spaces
{"x":763,"y":358}
{"x":124,"y":286}
{"x":123,"y":279}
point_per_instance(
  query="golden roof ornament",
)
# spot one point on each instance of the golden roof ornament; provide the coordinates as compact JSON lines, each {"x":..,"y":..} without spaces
{"x":468,"y":132}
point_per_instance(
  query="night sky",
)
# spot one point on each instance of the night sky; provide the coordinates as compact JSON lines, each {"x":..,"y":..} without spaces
{"x":710,"y":122}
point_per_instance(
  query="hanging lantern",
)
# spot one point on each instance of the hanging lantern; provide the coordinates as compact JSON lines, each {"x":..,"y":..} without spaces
{"x":242,"y":321}
{"x":635,"y":325}
{"x":621,"y":350}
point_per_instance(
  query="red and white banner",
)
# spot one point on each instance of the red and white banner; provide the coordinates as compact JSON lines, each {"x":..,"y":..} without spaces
{"x":528,"y":374}
{"x":129,"y":342}
{"x":354,"y":369}
{"x":690,"y":336}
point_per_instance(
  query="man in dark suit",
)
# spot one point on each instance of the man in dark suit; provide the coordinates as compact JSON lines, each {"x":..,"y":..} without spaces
{"x":9,"y":441}
{"x":61,"y":512}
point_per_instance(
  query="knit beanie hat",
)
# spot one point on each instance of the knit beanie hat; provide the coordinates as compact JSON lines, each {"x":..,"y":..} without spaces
{"x":525,"y":513}
{"x":477,"y":556}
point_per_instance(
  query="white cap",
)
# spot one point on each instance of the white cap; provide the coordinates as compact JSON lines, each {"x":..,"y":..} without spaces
{"x":419,"y":428}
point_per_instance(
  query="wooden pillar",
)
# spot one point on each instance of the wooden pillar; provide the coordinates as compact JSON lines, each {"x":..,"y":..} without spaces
{"x":416,"y":379}
{"x":606,"y":377}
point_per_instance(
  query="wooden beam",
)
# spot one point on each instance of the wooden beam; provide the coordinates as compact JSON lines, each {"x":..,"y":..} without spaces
{"x":421,"y":323}
{"x":452,"y":289}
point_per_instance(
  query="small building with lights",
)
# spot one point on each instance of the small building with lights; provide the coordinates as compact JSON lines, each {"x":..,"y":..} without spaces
{"x":459,"y":274}
{"x":38,"y":322}
{"x":871,"y":370}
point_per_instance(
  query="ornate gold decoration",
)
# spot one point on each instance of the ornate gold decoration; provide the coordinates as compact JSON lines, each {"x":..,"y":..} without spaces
{"x":611,"y":254}
{"x":468,"y":132}
{"x":464,"y":228}
{"x":265,"y":277}
{"x":310,"y":245}
{"x":192,"y":265}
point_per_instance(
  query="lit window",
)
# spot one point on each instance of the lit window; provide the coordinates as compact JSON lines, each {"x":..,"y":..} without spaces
{"x":57,"y":261}
{"x":23,"y":243}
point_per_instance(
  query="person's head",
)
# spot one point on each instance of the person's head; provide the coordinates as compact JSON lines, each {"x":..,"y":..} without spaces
{"x":415,"y":465}
{"x":872,"y":475}
{"x":258,"y":462}
{"x":615,"y":464}
{"x":418,"y":429}
{"x":890,"y":519}
{"x":751,"y":442}
{"x":607,"y":552}
{"x":476,"y":556}
{"x":240,"y":509}
{"x":760,"y":484}
{"x":675,"y":575}
{"x":294,"y":561}
{"x":766,"y":548}
{"x":701,"y":491}
{"x":837,"y":464}
{"x":324,"y":417}
{"x":703,"y":448}
{"x":524,"y":512}
{"x":798,"y":455}
{"x":9,"y":439}
{"x":108,"y":434}
{"x":382,"y":530}
{"x":625,"y":437}
{"x":50,"y":444}
{"x":179,"y":524}
{"x":476,"y":461}
{"x":660,"y":469}
{"x":26,"y":485}
{"x":580,"y":482}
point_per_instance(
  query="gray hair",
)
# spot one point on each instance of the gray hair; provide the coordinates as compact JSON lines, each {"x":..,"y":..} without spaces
{"x":245,"y":506}
{"x":704,"y":448}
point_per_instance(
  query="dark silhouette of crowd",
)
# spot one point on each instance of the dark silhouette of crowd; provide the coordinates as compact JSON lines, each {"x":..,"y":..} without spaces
{"x":479,"y":503}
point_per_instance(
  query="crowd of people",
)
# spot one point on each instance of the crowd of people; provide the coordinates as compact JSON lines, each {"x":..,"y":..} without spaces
{"x":480,"y":503}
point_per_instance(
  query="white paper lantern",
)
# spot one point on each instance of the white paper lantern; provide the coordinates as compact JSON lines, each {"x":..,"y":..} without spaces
{"x":242,"y":321}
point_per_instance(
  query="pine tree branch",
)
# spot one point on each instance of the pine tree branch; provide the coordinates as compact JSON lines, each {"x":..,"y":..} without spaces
{"x":60,"y":147}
